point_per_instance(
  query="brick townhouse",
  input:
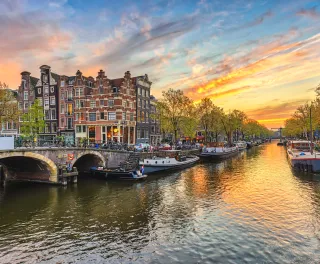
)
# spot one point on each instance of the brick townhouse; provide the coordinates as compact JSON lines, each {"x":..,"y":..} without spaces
{"x":105,"y":109}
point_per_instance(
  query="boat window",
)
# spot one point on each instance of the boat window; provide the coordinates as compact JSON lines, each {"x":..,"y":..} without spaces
{"x":162,"y":161}
{"x":156,"y":162}
{"x":147,"y":161}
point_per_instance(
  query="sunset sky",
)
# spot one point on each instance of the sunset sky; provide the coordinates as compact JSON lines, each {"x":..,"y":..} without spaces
{"x":259,"y":56}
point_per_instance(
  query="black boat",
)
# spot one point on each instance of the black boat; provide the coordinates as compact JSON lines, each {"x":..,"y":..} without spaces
{"x":117,"y":174}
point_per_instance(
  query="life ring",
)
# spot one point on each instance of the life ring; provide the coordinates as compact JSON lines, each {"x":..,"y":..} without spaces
{"x":70,"y":156}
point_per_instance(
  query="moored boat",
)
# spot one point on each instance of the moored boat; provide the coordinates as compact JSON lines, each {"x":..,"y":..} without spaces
{"x":117,"y":174}
{"x":172,"y":160}
{"x":218,"y":151}
{"x":242,"y":145}
{"x":302,"y":156}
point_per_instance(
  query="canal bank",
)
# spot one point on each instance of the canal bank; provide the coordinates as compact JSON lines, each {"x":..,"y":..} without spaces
{"x":251,"y":208}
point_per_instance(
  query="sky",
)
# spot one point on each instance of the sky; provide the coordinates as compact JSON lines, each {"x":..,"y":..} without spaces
{"x":259,"y":56}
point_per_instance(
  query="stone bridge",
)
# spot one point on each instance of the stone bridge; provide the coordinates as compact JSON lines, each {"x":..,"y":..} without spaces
{"x":42,"y":164}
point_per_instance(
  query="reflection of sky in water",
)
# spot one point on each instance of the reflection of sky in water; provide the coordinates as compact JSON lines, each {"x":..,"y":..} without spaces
{"x":251,"y":208}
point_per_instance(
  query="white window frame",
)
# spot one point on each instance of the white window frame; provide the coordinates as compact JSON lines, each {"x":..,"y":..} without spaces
{"x":52,"y":100}
{"x":112,"y":116}
{"x":52,"y":89}
{"x":25,"y":95}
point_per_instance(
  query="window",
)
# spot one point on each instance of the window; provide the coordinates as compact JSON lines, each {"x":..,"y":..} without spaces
{"x":101,"y":90}
{"x":26,"y":105}
{"x":53,"y":127}
{"x":78,"y":129}
{"x":25,"y":95}
{"x":47,"y":128}
{"x":124,"y":116}
{"x":62,"y":84}
{"x":90,"y":84}
{"x":62,"y":122}
{"x":62,"y":95}
{"x":79,"y":82}
{"x":46,"y":102}
{"x":70,"y":110}
{"x":139,"y":90}
{"x":39,"y":90}
{"x":103,"y":129}
{"x":81,"y":103}
{"x":69,"y":123}
{"x":52,"y":100}
{"x":70,"y":95}
{"x":52,"y":89}
{"x":62,"y":109}
{"x":139,"y":102}
{"x":46,"y":89}
{"x":77,"y":104}
{"x":111,"y":116}
{"x":83,"y":128}
{"x":20,"y":105}
{"x":81,"y":117}
{"x":101,"y":102}
{"x":128,"y":104}
{"x":102,"y":115}
{"x":92,"y":103}
{"x":46,"y":115}
{"x":131,"y":104}
{"x":53,"y":114}
{"x":110,"y":103}
{"x":92,"y":116}
{"x":144,"y":104}
{"x":115,"y":90}
{"x":124,"y":103}
{"x":24,"y":82}
{"x":31,"y":92}
{"x":79,"y":92}
{"x":143,"y":92}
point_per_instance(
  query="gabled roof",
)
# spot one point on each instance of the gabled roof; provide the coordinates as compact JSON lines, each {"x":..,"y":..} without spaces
{"x":55,"y":76}
{"x":33,"y":81}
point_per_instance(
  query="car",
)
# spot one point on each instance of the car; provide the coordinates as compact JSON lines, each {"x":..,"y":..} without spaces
{"x":141,"y":147}
{"x":165,"y":147}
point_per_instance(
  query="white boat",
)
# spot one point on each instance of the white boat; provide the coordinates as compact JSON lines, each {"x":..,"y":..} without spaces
{"x":301,"y":157}
{"x":173,"y":160}
{"x":242,"y":145}
{"x":218,"y":151}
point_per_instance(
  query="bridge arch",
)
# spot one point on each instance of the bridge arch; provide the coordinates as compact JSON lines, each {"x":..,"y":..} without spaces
{"x":88,"y":159}
{"x":28,"y":158}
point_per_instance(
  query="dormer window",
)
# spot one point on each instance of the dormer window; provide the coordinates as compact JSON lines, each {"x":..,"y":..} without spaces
{"x":115,"y":89}
{"x":90,"y":84}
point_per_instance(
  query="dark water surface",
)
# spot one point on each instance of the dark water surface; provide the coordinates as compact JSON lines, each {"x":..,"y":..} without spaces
{"x":249,"y":209}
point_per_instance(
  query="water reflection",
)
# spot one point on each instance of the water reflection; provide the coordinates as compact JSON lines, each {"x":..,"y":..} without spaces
{"x":252,"y":208}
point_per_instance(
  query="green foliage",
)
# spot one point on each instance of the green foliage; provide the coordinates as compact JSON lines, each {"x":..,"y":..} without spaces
{"x":8,"y":104}
{"x":33,"y":121}
{"x":173,"y":108}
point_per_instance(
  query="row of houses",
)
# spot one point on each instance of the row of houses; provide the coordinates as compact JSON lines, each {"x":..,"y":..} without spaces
{"x":99,"y":109}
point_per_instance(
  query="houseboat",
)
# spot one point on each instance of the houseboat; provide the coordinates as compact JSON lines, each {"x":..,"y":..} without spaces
{"x":170,"y":160}
{"x":218,"y":151}
{"x":301,"y":155}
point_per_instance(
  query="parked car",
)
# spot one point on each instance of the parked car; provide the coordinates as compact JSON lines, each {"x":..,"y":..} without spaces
{"x":165,"y":147}
{"x":141,"y":147}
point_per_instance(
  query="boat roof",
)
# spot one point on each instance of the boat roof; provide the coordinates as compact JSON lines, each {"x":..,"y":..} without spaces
{"x":170,"y":150}
{"x":300,"y":141}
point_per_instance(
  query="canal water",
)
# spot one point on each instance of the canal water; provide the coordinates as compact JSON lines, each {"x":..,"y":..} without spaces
{"x":249,"y":209}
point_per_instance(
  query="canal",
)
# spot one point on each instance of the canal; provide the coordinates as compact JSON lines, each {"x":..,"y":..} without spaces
{"x":249,"y":209}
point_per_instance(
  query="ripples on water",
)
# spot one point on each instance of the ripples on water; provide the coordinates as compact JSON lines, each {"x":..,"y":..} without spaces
{"x":249,"y":209}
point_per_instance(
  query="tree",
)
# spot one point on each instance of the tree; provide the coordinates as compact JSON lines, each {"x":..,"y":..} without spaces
{"x":173,"y":107}
{"x":205,"y":108}
{"x":189,"y":122}
{"x":8,"y":105}
{"x":216,"y":126}
{"x":33,"y":121}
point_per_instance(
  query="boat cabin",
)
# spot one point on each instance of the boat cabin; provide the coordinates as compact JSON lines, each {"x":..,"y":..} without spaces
{"x":300,"y":145}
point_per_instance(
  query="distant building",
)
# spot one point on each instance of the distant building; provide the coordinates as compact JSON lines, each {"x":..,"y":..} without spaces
{"x":143,"y":86}
{"x":10,"y":128}
{"x":155,"y":133}
{"x":46,"y":91}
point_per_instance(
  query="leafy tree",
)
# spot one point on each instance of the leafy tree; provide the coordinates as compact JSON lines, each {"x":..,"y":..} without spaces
{"x":173,"y":107}
{"x":33,"y":121}
{"x":189,"y":123}
{"x":8,"y":105}
{"x":205,"y":107}
{"x":216,"y":126}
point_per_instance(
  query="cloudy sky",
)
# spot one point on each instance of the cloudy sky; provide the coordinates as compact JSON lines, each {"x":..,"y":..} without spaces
{"x":259,"y":56}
